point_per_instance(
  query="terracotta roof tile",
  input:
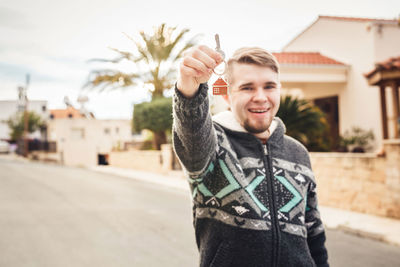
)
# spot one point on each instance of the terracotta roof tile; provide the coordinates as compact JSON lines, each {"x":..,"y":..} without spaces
{"x":70,"y":112}
{"x":312,"y":58}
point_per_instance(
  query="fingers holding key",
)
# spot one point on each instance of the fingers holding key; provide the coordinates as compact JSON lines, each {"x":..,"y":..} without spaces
{"x":188,"y":70}
{"x":197,"y":67}
{"x":212,"y":55}
{"x":202,"y":58}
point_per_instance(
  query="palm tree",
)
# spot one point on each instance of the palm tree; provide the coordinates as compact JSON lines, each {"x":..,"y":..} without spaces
{"x":305,"y":122}
{"x":153,"y":57}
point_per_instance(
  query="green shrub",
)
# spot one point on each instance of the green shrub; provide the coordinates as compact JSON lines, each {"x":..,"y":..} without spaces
{"x":305,"y":122}
{"x":155,"y":116}
{"x":17,"y":124}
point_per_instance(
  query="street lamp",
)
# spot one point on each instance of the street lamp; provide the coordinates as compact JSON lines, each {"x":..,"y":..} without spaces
{"x":23,"y":106}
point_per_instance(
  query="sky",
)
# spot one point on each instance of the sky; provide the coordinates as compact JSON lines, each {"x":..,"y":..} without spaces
{"x":54,"y":40}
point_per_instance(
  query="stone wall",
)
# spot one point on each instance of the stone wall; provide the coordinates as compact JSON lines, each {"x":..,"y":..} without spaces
{"x":162,"y":161}
{"x":360,"y":182}
{"x":150,"y":160}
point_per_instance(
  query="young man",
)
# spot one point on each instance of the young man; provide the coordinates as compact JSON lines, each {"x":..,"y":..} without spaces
{"x":254,"y":194}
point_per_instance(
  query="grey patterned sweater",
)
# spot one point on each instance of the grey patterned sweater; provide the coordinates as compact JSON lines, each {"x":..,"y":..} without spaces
{"x":253,"y":204}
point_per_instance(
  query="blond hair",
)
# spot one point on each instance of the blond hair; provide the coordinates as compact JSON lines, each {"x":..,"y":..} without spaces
{"x":251,"y":55}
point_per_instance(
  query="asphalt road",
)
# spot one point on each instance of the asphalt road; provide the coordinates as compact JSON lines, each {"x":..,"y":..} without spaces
{"x":57,"y":216}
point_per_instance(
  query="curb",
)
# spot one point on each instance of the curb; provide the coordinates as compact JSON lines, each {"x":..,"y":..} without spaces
{"x":361,"y":233}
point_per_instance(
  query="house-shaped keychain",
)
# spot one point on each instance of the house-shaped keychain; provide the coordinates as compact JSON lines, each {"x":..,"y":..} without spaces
{"x":220,"y":87}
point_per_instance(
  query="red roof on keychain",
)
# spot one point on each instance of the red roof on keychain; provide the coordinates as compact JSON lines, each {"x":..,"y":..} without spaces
{"x":220,"y":87}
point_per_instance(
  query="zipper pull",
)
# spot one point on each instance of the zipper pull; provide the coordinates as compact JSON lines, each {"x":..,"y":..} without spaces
{"x":265,"y":149}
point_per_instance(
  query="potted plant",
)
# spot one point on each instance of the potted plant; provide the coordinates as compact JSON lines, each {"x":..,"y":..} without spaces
{"x":356,"y":140}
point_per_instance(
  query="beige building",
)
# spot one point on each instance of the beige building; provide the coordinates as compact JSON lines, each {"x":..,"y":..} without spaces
{"x":356,"y":45}
{"x":85,"y":141}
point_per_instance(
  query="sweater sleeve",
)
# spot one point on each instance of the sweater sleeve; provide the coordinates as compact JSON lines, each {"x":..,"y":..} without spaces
{"x":315,"y":229}
{"x":194,"y":138}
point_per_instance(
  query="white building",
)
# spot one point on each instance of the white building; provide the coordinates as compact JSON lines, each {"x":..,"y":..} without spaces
{"x":357,"y":43}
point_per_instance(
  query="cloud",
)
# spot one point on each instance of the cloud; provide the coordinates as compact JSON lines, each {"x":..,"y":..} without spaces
{"x":18,"y":72}
{"x":11,"y":18}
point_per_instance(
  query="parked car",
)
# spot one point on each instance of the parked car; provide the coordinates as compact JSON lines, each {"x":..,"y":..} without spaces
{"x":4,"y":147}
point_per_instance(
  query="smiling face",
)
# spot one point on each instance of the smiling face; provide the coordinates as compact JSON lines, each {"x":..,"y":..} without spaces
{"x":254,"y":95}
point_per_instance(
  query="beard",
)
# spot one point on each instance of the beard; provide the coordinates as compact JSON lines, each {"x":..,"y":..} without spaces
{"x":256,"y":129}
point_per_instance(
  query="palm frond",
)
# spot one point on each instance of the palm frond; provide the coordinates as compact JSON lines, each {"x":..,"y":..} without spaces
{"x":303,"y":121}
{"x":157,"y":51}
{"x":102,"y":80}
{"x":124,"y":54}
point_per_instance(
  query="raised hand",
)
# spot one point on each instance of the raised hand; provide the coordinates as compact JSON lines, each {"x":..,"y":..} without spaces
{"x":197,"y":67}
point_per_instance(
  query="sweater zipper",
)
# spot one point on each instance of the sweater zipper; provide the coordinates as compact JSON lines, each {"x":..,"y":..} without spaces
{"x":271,"y":195}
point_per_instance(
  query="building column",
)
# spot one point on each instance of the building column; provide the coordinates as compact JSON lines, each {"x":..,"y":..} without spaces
{"x":396,"y":108}
{"x":384,"y":113}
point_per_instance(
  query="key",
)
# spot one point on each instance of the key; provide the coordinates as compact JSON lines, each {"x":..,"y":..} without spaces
{"x":220,"y":87}
{"x":218,"y":48}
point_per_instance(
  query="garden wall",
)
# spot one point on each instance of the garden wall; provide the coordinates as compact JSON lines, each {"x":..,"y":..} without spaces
{"x":360,"y":182}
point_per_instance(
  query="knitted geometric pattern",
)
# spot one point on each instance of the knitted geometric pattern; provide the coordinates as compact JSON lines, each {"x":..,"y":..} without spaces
{"x":234,"y":191}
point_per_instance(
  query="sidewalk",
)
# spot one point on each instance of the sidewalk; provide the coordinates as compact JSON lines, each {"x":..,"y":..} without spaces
{"x":13,"y":157}
{"x":365,"y":225}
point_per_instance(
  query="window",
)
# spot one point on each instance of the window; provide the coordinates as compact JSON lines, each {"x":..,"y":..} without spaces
{"x":107,"y":131}
{"x":77,"y":133}
{"x":116,"y":130}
